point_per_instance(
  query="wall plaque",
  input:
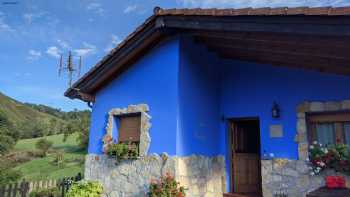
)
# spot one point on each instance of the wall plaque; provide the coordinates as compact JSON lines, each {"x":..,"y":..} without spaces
{"x":276,"y":131}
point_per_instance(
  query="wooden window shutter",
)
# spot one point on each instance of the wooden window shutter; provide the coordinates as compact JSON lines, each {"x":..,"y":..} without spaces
{"x":130,"y":128}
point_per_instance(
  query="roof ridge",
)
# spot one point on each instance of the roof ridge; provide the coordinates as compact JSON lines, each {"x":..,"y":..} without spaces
{"x":246,"y":11}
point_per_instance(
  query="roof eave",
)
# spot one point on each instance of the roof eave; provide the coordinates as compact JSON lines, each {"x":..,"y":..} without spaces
{"x":152,"y":30}
{"x":117,"y":58}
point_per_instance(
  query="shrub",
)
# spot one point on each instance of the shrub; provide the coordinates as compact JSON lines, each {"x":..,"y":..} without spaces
{"x":51,"y":192}
{"x":44,"y":145}
{"x":334,"y":157}
{"x":85,"y":189}
{"x":7,"y":174}
{"x":167,"y":186}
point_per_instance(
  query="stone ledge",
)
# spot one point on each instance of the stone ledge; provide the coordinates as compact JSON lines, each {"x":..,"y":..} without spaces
{"x":291,"y":176}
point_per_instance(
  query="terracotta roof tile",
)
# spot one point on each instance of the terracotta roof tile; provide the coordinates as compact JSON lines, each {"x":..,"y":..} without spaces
{"x":318,"y":11}
{"x":257,"y":11}
{"x":260,"y":11}
{"x":339,"y":11}
{"x":278,"y":11}
{"x":296,"y":11}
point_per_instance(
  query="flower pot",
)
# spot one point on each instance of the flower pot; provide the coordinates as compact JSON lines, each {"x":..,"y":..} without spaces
{"x":335,"y":182}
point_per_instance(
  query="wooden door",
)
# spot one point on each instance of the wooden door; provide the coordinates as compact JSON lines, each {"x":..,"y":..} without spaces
{"x":246,"y":171}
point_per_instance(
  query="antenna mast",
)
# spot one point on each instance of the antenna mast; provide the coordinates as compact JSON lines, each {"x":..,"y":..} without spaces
{"x":69,"y":67}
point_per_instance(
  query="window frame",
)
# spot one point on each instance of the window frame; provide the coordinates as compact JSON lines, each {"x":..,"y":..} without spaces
{"x":145,"y":138}
{"x":337,"y":118}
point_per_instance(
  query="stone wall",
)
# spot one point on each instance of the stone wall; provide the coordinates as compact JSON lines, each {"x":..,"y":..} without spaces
{"x":145,"y":125}
{"x":203,"y":176}
{"x":291,"y":176}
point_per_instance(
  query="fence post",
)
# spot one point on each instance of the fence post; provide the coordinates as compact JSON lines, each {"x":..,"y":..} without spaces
{"x":24,"y":188}
{"x":2,"y":191}
{"x":62,"y":186}
{"x":9,"y":190}
{"x":15,"y":190}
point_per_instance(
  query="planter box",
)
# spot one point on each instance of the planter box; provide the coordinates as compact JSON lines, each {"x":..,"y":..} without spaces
{"x":325,"y":192}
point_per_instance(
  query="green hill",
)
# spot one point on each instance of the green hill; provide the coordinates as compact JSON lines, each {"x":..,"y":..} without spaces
{"x":18,"y":112}
{"x":36,"y":120}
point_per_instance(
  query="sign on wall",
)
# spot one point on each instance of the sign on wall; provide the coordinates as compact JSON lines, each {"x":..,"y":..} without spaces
{"x":276,"y":131}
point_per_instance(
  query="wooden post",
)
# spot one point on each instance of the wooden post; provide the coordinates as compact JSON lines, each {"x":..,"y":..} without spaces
{"x":2,"y":191}
{"x":9,"y":190}
{"x":40,"y":184}
{"x":15,"y":188}
{"x":62,"y":186}
{"x":31,"y":187}
{"x":24,"y":188}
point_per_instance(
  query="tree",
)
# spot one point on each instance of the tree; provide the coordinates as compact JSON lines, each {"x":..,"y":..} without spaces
{"x":6,"y":143}
{"x":79,"y":121}
{"x":7,"y":174}
{"x":44,"y":145}
{"x":8,"y":134}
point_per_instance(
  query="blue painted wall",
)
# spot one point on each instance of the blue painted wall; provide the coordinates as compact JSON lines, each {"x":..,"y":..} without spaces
{"x":199,"y":103}
{"x":211,"y":88}
{"x":249,"y":90}
{"x":152,"y":80}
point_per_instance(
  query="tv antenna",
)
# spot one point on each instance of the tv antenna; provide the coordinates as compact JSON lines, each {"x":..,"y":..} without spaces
{"x":69,"y":67}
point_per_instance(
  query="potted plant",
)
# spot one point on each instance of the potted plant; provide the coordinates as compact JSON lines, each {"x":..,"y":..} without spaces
{"x":332,"y":157}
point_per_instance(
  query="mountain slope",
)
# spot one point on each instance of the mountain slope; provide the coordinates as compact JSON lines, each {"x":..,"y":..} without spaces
{"x":18,"y":113}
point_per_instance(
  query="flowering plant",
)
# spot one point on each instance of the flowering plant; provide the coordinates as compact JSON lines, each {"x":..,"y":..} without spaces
{"x":167,"y":186}
{"x":121,"y":150}
{"x":335,"y":157}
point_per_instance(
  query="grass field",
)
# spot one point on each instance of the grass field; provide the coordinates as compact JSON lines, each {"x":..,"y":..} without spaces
{"x":45,"y":168}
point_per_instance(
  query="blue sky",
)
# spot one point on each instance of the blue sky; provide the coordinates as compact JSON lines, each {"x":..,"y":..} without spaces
{"x":33,"y":34}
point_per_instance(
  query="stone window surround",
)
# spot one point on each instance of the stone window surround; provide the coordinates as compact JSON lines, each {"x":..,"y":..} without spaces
{"x":143,"y":109}
{"x":307,"y":107}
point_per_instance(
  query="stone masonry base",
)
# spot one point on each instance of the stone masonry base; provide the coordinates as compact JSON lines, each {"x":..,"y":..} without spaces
{"x":203,"y":176}
{"x":291,"y":176}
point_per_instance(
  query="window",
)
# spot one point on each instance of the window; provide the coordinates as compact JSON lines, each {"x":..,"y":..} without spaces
{"x":129,"y":128}
{"x":329,"y":128}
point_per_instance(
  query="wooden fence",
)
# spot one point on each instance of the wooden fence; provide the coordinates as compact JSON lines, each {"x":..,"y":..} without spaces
{"x":24,"y":188}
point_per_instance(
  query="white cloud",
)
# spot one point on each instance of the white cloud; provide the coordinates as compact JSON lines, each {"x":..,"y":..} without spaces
{"x":134,"y":8}
{"x":96,"y":8}
{"x":4,"y":27}
{"x":130,"y":8}
{"x":53,"y":51}
{"x":115,"y":40}
{"x":86,"y":50}
{"x":63,"y":44}
{"x":260,"y":3}
{"x":33,"y":54}
{"x":30,"y":17}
